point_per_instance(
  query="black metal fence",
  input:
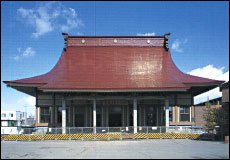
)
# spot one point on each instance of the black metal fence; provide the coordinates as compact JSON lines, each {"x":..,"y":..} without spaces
{"x":101,"y":130}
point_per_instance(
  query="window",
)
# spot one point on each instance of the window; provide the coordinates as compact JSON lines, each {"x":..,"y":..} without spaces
{"x":12,"y":123}
{"x":184,"y":113}
{"x":4,"y":124}
{"x":11,"y":115}
{"x":24,"y":115}
{"x":3,"y":115}
{"x":9,"y":123}
{"x":45,"y":115}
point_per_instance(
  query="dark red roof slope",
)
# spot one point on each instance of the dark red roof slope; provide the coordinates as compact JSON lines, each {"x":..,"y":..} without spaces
{"x":115,"y":63}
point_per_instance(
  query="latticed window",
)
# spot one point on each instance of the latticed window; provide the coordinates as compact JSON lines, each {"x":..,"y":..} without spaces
{"x":184,"y":113}
{"x":3,"y":115}
{"x":12,"y":123}
{"x":45,"y":114}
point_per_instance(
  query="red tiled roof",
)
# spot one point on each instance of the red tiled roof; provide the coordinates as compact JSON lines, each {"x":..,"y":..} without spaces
{"x":127,"y":63}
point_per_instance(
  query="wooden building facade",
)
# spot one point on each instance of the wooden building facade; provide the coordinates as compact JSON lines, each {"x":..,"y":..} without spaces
{"x":113,"y":81}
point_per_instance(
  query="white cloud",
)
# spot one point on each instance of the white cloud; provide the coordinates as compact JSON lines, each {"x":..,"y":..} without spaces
{"x":177,"y":45}
{"x":28,"y":52}
{"x":16,"y":58}
{"x":146,"y":34}
{"x":19,"y":50}
{"x":50,"y":16}
{"x":210,"y":72}
{"x":42,"y":27}
{"x":39,"y":21}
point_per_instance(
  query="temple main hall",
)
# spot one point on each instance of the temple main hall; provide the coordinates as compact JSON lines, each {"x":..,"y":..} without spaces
{"x":114,"y":81}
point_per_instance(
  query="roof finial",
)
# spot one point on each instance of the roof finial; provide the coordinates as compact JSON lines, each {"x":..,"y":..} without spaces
{"x":65,"y":39}
{"x":64,"y":33}
{"x":167,"y":35}
{"x":166,"y":38}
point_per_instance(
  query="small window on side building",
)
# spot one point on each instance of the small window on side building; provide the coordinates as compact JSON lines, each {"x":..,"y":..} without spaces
{"x":184,"y":113}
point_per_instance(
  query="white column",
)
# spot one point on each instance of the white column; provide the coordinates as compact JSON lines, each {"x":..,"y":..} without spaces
{"x":135,"y":115}
{"x":190,"y":113}
{"x":63,"y":116}
{"x":166,"y":114}
{"x":173,"y":114}
{"x":178,"y":114}
{"x":94,"y":116}
{"x":38,"y":114}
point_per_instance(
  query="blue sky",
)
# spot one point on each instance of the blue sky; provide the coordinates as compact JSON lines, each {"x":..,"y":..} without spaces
{"x":32,"y":43}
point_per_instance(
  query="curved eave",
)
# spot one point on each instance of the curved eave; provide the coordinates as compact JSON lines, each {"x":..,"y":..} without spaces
{"x":197,"y":89}
{"x":12,"y":83}
{"x":27,"y":88}
{"x":195,"y":84}
{"x":30,"y":90}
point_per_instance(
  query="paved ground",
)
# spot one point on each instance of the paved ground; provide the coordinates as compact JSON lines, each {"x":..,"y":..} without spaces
{"x":138,"y":149}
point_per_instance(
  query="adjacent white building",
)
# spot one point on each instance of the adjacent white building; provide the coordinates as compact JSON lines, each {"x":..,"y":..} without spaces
{"x":11,"y":121}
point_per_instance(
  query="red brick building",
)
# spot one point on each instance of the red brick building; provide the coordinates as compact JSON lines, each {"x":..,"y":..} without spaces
{"x":222,"y":104}
{"x":199,"y":110}
{"x":114,"y":81}
{"x":225,"y":109}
